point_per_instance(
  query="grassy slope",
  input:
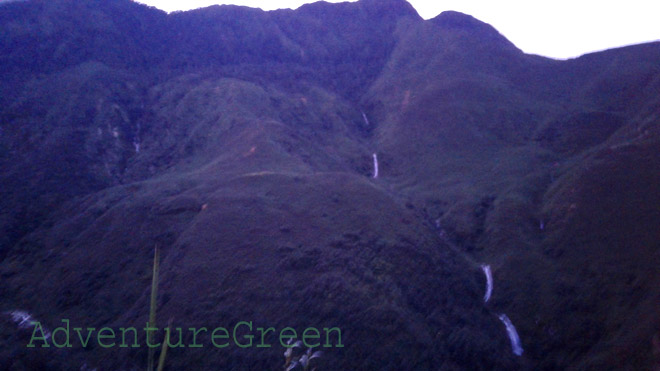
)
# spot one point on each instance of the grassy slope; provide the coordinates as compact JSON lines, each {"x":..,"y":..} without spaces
{"x":262,"y":202}
{"x":277,"y":248}
{"x":253,"y":177}
{"x":491,"y":154}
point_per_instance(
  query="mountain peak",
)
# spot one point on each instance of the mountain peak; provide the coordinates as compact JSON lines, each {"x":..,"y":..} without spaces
{"x":457,"y":21}
{"x":372,"y":8}
{"x":454,"y":19}
{"x":398,"y":7}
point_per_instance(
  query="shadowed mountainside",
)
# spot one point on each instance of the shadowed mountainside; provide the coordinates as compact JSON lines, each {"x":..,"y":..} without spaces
{"x":240,"y":141}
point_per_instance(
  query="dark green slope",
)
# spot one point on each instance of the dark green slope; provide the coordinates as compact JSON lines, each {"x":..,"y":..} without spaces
{"x":493,"y":143}
{"x":264,"y":247}
{"x":235,"y":140}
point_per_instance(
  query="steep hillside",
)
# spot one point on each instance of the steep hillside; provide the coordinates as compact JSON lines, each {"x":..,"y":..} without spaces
{"x":244,"y":143}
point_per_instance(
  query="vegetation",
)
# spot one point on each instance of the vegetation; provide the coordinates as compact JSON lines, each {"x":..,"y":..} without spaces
{"x":152,"y":315}
{"x":234,"y":139}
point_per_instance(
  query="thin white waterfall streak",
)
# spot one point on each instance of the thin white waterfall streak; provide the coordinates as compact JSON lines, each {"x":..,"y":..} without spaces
{"x":25,"y":321}
{"x":513,"y":335}
{"x":375,"y":166}
{"x":489,"y":282}
{"x":366,"y":120}
{"x":136,"y":139}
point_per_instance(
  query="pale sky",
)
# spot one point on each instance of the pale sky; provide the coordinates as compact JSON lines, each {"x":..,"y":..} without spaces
{"x":557,"y":29}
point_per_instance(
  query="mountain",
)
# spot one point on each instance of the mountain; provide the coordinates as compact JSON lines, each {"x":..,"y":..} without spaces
{"x":243,"y":144}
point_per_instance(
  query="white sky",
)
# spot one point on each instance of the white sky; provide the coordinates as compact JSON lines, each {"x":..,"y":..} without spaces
{"x":557,"y":29}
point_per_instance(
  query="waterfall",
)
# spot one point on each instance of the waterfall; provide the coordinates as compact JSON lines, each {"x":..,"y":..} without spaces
{"x":25,"y":321}
{"x":366,"y":120}
{"x":136,"y":138}
{"x":375,"y":166}
{"x":516,"y":347}
{"x":489,"y":282}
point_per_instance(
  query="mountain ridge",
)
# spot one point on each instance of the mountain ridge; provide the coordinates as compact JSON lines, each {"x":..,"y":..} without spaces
{"x":241,"y":142}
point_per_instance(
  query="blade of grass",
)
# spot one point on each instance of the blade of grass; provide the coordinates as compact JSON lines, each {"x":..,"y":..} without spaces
{"x":163,"y":350}
{"x":152,"y":309}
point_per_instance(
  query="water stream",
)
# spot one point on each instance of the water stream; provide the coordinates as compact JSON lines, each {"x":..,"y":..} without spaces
{"x":516,"y":346}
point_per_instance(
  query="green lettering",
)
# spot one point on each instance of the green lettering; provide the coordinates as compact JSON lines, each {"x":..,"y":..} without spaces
{"x":150,"y":336}
{"x":37,"y":326}
{"x":249,"y":337}
{"x":263,"y":335}
{"x":317,"y":335}
{"x":123,"y":337}
{"x":67,"y":343}
{"x":224,"y":336}
{"x":327,"y":337}
{"x":89,"y":334}
{"x":179,"y":344}
{"x":284,"y":337}
{"x":101,"y":336}
{"x":194,"y":341}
